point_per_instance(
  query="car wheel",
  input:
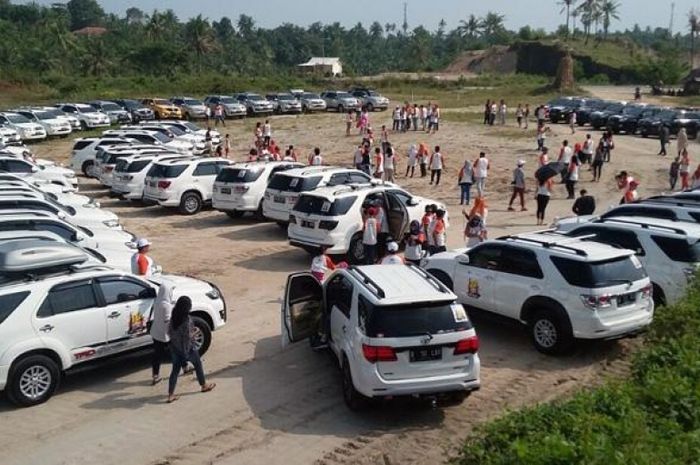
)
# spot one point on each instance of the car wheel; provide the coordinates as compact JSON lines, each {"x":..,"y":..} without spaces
{"x":84,"y":125}
{"x":356,"y":252}
{"x":370,"y":107}
{"x":88,"y":169}
{"x":643,"y":133}
{"x":305,"y":109}
{"x":190,"y":203}
{"x":443,"y":278}
{"x":658,"y":296}
{"x":259,"y":212}
{"x":188,"y":117}
{"x":550,"y":333}
{"x":201,"y":336}
{"x":341,"y":109}
{"x":235,"y":214}
{"x":353,"y":399}
{"x":33,"y":380}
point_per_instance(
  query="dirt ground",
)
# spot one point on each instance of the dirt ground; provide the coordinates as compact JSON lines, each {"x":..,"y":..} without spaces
{"x":285,"y":407}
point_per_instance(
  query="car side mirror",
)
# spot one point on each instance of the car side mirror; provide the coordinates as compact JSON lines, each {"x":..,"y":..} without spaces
{"x":463,"y":259}
{"x":78,"y":237}
{"x":412,"y":202}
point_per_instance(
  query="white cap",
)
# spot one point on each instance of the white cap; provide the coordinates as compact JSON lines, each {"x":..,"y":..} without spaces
{"x":141,"y":243}
{"x":392,"y":247}
{"x":521,"y":162}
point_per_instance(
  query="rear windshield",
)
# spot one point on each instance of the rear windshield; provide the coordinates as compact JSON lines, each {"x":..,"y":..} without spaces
{"x":166,"y":171}
{"x":81,"y":144}
{"x":321,"y":206}
{"x":412,"y":320}
{"x":136,"y":166}
{"x":599,"y":274}
{"x":9,"y":302}
{"x":678,"y":250}
{"x":121,"y":166}
{"x":239,"y":175}
{"x":661,"y":213}
{"x":282,"y":182}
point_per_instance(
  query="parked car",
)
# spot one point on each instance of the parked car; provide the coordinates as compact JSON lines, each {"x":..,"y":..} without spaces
{"x":27,"y":130}
{"x":588,"y":106}
{"x":189,"y":127}
{"x":185,"y":184}
{"x":240,"y":188}
{"x":191,"y":108}
{"x":255,"y":104}
{"x":62,"y":115}
{"x":629,"y":118}
{"x":81,"y":216}
{"x":53,"y":126}
{"x":137,"y":110}
{"x":89,"y":117}
{"x":341,"y":101}
{"x":687,"y":119}
{"x":189,"y":141}
{"x":24,"y":169}
{"x":9,"y":136}
{"x":651,"y":126}
{"x":129,"y":173}
{"x":561,"y":288}
{"x":394,"y":331}
{"x":599,"y":119}
{"x":232,"y":107}
{"x":82,"y":158}
{"x":153,"y":138}
{"x":116,"y":113}
{"x":162,"y":109}
{"x":53,"y":320}
{"x":649,"y":208}
{"x":369,"y":98}
{"x":109,"y":159}
{"x":284,"y":103}
{"x":561,"y":108}
{"x":310,"y":102}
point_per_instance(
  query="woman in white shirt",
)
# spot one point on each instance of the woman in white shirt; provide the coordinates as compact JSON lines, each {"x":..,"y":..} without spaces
{"x":412,"y":160}
{"x":389,"y":164}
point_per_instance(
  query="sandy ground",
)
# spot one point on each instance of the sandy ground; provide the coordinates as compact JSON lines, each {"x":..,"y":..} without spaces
{"x":285,"y":407}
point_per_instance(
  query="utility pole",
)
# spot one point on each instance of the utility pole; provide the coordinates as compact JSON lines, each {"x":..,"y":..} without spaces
{"x":405,"y":18}
{"x":670,"y":24}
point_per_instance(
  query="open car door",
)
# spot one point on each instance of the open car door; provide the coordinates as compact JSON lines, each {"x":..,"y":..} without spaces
{"x":398,"y":217}
{"x":301,"y":308}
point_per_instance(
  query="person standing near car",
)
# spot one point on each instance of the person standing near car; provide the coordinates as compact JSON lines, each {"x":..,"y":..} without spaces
{"x":481,"y":171}
{"x":544,"y":192}
{"x":439,"y":232}
{"x":162,"y":309}
{"x":392,"y":256}
{"x":664,"y":135}
{"x":322,"y":264}
{"x":413,"y":252}
{"x":219,"y":115}
{"x":182,"y":348}
{"x":370,"y":236}
{"x":227,"y":145}
{"x":584,"y":205}
{"x":141,"y":263}
{"x":673,"y":172}
{"x":465,"y":180}
{"x":316,"y":158}
{"x":389,"y":166}
{"x":682,"y":141}
{"x":684,"y":170}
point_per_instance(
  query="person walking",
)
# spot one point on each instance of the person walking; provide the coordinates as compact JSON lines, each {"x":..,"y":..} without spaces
{"x":465,"y":180}
{"x":439,"y":232}
{"x":370,"y":235}
{"x":392,"y":256}
{"x":481,"y":172}
{"x":519,"y":115}
{"x":682,"y":141}
{"x":267,"y":133}
{"x":182,"y":348}
{"x":412,"y":160}
{"x":572,"y":122}
{"x":227,"y":145}
{"x":436,"y":165}
{"x":544,"y":192}
{"x":565,"y":154}
{"x":598,"y":161}
{"x":543,"y":158}
{"x":664,"y":135}
{"x":526,"y":116}
{"x":502,"y":111}
{"x":684,"y":170}
{"x":487,"y":111}
{"x":673,"y":172}
{"x":389,"y":168}
{"x":541,"y":137}
{"x":584,"y":205}
{"x":162,"y":309}
{"x":423,"y":158}
{"x":141,"y":263}
{"x":414,"y":240}
{"x":349,"y":120}
{"x":572,"y":176}
{"x":540,"y":114}
{"x":378,"y":164}
{"x":587,"y":150}
{"x":518,"y":187}
{"x":219,"y":115}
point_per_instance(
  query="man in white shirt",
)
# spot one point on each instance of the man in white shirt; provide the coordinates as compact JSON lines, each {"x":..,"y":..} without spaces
{"x":565,"y":155}
{"x":317,"y":159}
{"x":436,"y":165}
{"x":481,"y":171}
{"x":267,"y":133}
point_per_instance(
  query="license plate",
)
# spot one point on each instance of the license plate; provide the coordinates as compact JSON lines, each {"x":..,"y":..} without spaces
{"x":279,"y":199}
{"x":626,"y":299}
{"x":307,"y":224}
{"x":225,"y":190}
{"x":152,"y":183}
{"x":425,"y":354}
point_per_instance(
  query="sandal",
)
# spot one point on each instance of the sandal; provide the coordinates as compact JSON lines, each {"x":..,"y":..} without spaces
{"x":208,"y":387}
{"x":156,"y":380}
{"x":172,"y":399}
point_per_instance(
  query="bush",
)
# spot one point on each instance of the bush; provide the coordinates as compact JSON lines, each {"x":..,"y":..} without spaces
{"x":651,"y":418}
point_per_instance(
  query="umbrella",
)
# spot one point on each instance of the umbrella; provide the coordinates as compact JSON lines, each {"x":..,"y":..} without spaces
{"x":549,"y":170}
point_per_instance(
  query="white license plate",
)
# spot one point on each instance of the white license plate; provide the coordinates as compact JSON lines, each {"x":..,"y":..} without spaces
{"x":225,"y":190}
{"x":279,"y":199}
{"x":307,"y":224}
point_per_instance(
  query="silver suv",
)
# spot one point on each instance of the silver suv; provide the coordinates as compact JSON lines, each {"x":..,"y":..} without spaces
{"x":370,"y":99}
{"x":255,"y":104}
{"x":339,"y":100}
{"x":191,"y":108}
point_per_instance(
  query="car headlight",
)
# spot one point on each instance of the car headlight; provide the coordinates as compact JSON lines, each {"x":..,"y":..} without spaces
{"x":213,"y":294}
{"x":111,"y":223}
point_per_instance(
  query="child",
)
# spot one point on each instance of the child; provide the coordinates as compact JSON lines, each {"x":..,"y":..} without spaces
{"x":392,"y":257}
{"x":227,"y":145}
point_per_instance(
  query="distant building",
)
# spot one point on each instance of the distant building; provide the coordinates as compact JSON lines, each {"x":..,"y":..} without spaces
{"x":324,"y":66}
{"x":91,"y":31}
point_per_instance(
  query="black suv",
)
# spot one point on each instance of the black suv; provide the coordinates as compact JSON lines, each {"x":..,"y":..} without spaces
{"x":583,"y":114}
{"x":560,"y":109}
{"x":599,"y":119}
{"x":136,"y":109}
{"x":627,"y":121}
{"x":651,"y":126}
{"x":688,"y":119}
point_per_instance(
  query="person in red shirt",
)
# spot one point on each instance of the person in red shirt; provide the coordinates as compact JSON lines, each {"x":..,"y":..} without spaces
{"x":427,"y":218}
{"x":322,"y":264}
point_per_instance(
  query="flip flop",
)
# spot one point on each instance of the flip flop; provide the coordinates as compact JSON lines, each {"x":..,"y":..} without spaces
{"x":209,"y":387}
{"x":156,"y":380}
{"x":173,"y":399}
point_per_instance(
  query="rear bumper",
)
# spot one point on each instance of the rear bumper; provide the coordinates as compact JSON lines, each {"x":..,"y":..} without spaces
{"x":335,"y":242}
{"x":630,"y":326}
{"x":245,"y":203}
{"x":127,"y":191}
{"x":162,"y":199}
{"x":274,"y":214}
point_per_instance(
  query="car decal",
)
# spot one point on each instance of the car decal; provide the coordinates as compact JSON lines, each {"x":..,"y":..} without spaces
{"x":473,"y":288}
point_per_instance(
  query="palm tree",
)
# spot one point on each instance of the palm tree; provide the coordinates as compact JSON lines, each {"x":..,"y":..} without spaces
{"x":492,"y":23}
{"x":469,"y":28}
{"x":694,"y":23}
{"x":566,"y":6}
{"x":588,"y":11}
{"x":610,"y":10}
{"x":574,"y":14}
{"x":200,"y":37}
{"x":156,"y":26}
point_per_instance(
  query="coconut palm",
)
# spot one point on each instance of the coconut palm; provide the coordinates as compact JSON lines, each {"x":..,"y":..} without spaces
{"x":609,"y":9}
{"x":566,"y":6}
{"x":155,"y":29}
{"x":469,"y":28}
{"x":588,"y":11}
{"x":492,"y":23}
{"x":200,"y":37}
{"x":574,"y":15}
{"x":694,"y":23}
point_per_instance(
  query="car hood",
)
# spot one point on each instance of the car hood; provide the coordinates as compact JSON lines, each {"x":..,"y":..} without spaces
{"x":185,"y":285}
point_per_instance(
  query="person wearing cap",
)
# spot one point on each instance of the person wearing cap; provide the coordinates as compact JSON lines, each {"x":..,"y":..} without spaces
{"x":141,"y":263}
{"x":322,"y":264}
{"x":392,"y":256}
{"x":518,"y":187}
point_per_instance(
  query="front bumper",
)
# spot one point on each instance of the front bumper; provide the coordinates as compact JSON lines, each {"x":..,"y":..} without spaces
{"x":64,"y":131}
{"x":235,"y":112}
{"x":95,"y":124}
{"x":34,"y":136}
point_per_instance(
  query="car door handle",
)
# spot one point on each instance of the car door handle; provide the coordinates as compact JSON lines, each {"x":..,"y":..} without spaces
{"x":46,"y":328}
{"x":113,"y":315}
{"x":344,"y":328}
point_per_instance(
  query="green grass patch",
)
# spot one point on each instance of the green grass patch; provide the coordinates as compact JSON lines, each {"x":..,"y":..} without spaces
{"x":651,"y":418}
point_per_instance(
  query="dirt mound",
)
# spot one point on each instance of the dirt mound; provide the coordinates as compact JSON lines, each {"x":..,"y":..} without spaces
{"x":497,"y":59}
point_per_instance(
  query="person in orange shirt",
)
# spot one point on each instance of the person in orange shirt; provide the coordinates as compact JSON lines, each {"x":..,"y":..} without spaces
{"x":440,"y":232}
{"x":631,"y":195}
{"x":423,"y":159}
{"x":322,"y":264}
{"x":141,"y":263}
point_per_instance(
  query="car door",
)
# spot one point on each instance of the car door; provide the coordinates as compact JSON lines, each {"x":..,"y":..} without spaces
{"x":71,"y":317}
{"x":127,"y":307}
{"x":475,"y":278}
{"x":302,"y":308}
{"x":204,"y":176}
{"x":397,"y":214}
{"x":519,"y":268}
{"x":339,"y":299}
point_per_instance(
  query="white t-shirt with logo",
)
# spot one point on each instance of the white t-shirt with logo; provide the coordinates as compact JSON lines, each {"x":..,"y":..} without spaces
{"x":392,"y":260}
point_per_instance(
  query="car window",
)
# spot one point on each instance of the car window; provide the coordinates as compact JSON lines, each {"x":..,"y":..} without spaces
{"x":358,"y":178}
{"x":338,"y":179}
{"x":205,"y":169}
{"x":321,"y":206}
{"x":403,"y":196}
{"x":17,"y":166}
{"x":415,"y":319}
{"x":117,"y":290}
{"x":521,"y":262}
{"x":339,"y":292}
{"x":65,"y":233}
{"x":678,"y":250}
{"x":662,"y":213}
{"x":143,"y":138}
{"x":488,"y":257}
{"x":9,"y":302}
{"x":593,"y":275}
{"x":617,"y":237}
{"x":70,"y":297}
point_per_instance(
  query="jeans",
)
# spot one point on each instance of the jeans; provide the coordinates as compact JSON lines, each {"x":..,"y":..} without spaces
{"x":672,"y":181}
{"x":542,"y":201}
{"x":570,"y":188}
{"x":597,"y":169}
{"x":410,"y":169}
{"x":480,"y":186}
{"x":160,"y":351}
{"x":465,"y":195}
{"x":433,"y":174}
{"x":370,"y":253}
{"x":415,"y":124}
{"x":179,"y":362}
{"x":518,"y":191}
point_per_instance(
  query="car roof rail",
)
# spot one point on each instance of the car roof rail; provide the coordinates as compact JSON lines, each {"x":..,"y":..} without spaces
{"x":549,"y":244}
{"x":429,"y":277}
{"x":369,"y":282}
{"x":647,"y":226}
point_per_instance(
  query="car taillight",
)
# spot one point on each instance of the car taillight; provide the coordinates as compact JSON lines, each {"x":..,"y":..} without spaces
{"x":647,"y":291}
{"x":467,"y":346}
{"x":292,"y":219}
{"x":292,"y":199}
{"x":163,"y":184}
{"x":597,"y":301}
{"x":375,"y":354}
{"x":241,"y":189}
{"x":108,"y":168}
{"x":328,"y":225}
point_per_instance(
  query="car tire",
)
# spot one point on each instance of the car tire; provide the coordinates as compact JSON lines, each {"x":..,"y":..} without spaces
{"x":341,"y":109}
{"x":658,"y":296}
{"x":370,"y":107}
{"x":32,"y":380}
{"x":550,"y":332}
{"x":201,"y":335}
{"x":190,"y":203}
{"x":84,"y":125}
{"x":643,"y":133}
{"x":87,"y":167}
{"x":235,"y":214}
{"x":353,"y":399}
{"x":443,"y":278}
{"x":282,"y":225}
{"x":356,"y":251}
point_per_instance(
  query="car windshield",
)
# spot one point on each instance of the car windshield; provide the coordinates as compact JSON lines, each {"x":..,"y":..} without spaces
{"x":111,"y":107}
{"x":191,"y":126}
{"x":239,"y":175}
{"x":255,"y":97}
{"x":372,"y":93}
{"x":667,"y":114}
{"x":228,"y":100}
{"x":133,"y":104}
{"x":282,"y":182}
{"x":632,"y":111}
{"x":176,"y":131}
{"x":166,"y":171}
{"x":285,"y":97}
{"x":54,"y":113}
{"x":418,"y":319}
{"x":161,"y":137}
{"x":136,"y":166}
{"x":17,"y":119}
{"x":44,"y":115}
{"x":605,"y":273}
{"x":343,"y":95}
{"x":559,"y":102}
{"x":193,"y":102}
{"x":162,"y":102}
{"x":322,"y":206}
{"x":85,"y":109}
{"x":310,"y":96}
{"x":649,"y":112}
{"x":615,"y":107}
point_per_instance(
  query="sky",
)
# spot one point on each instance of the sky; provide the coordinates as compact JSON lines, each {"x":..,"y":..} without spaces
{"x":518,"y":13}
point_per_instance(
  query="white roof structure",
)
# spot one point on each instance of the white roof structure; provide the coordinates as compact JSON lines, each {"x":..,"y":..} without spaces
{"x":329,"y":64}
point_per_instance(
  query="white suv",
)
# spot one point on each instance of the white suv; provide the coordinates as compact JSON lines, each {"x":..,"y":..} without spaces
{"x":563,"y":289}
{"x":81,"y":215}
{"x":241,"y":187}
{"x":82,"y":157}
{"x":130,"y":172}
{"x":669,"y":250}
{"x":285,"y":188}
{"x":154,"y":138}
{"x":87,"y":115}
{"x":332,"y":216}
{"x":186,"y":184}
{"x":27,"y":130}
{"x":394,"y":330}
{"x":58,"y":312}
{"x":26,"y":169}
{"x":52,"y":125}
{"x":680,"y":211}
{"x":108,"y":159}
